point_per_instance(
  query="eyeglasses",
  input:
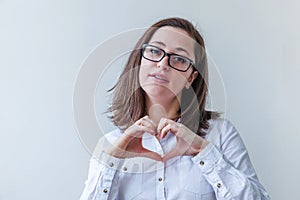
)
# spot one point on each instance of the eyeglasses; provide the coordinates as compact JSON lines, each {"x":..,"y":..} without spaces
{"x":175,"y":61}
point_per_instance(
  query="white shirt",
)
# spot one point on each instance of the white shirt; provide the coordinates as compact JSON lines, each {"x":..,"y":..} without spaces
{"x":222,"y":170}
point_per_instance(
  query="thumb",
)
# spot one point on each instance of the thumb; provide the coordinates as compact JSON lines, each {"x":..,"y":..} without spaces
{"x":170,"y":155}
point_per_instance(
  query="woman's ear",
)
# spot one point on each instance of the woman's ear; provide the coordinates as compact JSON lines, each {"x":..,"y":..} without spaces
{"x":191,"y":79}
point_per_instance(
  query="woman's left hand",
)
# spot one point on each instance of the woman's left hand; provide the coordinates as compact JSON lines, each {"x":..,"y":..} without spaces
{"x":187,"y":142}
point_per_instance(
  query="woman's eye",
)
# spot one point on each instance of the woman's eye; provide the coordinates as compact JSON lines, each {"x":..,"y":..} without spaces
{"x":154,"y":51}
{"x":180,"y":59}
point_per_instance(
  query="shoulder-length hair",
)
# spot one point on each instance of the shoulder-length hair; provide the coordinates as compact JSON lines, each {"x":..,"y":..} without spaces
{"x":128,"y":102}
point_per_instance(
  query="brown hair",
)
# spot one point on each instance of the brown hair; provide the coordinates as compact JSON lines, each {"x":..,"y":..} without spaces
{"x":128,"y":103}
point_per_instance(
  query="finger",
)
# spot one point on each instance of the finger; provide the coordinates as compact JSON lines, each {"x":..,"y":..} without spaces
{"x":174,"y":127}
{"x":143,"y":129}
{"x":139,"y":121}
{"x":137,"y":131}
{"x":164,"y":131}
{"x":149,"y":123}
{"x":170,"y":155}
{"x":148,"y":119}
{"x":162,"y":123}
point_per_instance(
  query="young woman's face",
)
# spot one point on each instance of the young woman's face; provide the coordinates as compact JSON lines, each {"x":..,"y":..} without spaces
{"x":158,"y":79}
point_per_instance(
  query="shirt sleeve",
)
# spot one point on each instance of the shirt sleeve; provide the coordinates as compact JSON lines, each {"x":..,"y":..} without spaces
{"x":226,"y":165}
{"x":102,"y":181}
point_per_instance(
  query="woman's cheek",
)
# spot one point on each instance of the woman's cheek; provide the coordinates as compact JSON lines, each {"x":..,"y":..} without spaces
{"x":178,"y":83}
{"x":142,"y":76}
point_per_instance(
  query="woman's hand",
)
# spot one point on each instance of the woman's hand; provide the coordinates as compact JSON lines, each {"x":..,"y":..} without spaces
{"x":187,"y":142}
{"x":130,"y":143}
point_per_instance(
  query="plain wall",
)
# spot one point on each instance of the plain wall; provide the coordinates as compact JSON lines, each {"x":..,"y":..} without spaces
{"x":255,"y":45}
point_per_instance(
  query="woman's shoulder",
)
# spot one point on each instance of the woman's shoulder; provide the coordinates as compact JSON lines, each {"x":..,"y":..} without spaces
{"x":221,"y":129}
{"x":220,"y":123}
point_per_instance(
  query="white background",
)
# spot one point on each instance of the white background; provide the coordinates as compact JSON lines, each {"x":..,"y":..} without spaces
{"x":255,"y":45}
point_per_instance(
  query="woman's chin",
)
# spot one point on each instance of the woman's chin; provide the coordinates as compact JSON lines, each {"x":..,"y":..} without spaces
{"x":157,"y":91}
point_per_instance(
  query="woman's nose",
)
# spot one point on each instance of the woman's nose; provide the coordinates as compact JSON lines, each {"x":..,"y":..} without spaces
{"x":164,"y":64}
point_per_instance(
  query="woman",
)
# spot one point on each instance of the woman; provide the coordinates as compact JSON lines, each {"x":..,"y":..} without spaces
{"x":167,"y":146}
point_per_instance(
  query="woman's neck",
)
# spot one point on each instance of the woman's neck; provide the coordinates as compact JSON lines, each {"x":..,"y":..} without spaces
{"x":158,"y":108}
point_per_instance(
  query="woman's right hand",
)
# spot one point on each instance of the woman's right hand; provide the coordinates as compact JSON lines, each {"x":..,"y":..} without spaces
{"x":130,"y":143}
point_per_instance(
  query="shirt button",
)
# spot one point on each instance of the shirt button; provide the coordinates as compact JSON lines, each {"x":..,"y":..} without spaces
{"x":201,"y":163}
{"x":160,"y":179}
{"x":105,"y":190}
{"x":125,"y":169}
{"x":111,"y":164}
{"x":219,"y":185}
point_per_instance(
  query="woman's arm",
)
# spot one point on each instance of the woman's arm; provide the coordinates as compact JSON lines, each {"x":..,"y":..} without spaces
{"x":102,"y":181}
{"x":108,"y":156}
{"x":226,"y":165}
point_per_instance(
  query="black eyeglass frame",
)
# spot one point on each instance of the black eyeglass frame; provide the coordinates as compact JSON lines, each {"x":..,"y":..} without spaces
{"x":166,"y":54}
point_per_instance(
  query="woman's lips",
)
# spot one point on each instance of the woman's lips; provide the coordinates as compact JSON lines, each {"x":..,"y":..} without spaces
{"x":159,"y":77}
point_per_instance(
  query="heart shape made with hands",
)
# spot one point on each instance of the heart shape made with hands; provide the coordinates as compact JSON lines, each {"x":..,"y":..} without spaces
{"x":187,"y":142}
{"x":130,"y":144}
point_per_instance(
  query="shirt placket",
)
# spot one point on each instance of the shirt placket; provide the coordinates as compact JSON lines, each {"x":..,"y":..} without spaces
{"x":160,"y":172}
{"x":159,"y":181}
{"x":159,"y":168}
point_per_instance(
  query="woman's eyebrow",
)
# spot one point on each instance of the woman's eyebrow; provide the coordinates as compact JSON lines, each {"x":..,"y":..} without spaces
{"x":177,"y":48}
{"x":182,"y":49}
{"x":158,"y":42}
